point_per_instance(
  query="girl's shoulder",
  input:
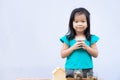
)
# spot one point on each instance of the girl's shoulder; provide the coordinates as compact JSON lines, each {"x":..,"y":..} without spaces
{"x":94,"y":38}
{"x":64,"y":39}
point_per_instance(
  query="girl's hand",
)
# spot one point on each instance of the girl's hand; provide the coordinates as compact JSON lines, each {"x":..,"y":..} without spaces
{"x":79,"y":44}
{"x":84,"y":46}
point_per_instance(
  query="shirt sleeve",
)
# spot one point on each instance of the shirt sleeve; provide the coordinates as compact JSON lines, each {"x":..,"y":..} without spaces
{"x":94,"y":39}
{"x":64,"y":39}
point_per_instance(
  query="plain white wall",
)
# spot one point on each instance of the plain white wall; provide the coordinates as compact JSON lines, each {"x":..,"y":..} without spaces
{"x":30,"y":32}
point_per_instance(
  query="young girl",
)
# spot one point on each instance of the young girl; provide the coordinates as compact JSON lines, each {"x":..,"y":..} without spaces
{"x":79,"y":46}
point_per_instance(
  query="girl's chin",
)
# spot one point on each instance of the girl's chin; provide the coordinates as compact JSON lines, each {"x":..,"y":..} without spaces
{"x":80,"y":31}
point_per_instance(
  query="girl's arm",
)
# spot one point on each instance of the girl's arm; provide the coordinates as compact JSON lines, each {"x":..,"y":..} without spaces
{"x":92,"y":50}
{"x":66,"y":51}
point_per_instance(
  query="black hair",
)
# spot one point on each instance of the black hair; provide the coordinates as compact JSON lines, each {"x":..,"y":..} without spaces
{"x":71,"y":32}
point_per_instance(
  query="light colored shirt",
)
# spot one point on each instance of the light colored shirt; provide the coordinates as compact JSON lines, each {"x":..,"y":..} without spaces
{"x":80,"y":58}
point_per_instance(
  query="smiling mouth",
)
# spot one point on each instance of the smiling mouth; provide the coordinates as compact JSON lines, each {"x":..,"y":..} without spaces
{"x":80,"y":28}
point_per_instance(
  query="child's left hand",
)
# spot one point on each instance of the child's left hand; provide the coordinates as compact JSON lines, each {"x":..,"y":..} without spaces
{"x":83,"y":45}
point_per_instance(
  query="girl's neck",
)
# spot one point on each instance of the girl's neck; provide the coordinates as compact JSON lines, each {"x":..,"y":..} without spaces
{"x":80,"y":35}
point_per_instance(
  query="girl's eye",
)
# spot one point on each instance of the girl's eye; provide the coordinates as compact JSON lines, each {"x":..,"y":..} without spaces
{"x":79,"y":21}
{"x":76,"y":21}
{"x":83,"y":21}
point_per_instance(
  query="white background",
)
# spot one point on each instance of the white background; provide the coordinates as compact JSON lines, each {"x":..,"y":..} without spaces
{"x":30,"y":32}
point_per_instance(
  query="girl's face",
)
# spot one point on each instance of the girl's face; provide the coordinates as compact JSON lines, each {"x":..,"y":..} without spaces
{"x":80,"y":23}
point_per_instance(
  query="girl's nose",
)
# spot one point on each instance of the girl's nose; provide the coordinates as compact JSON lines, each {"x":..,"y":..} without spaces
{"x":79,"y":23}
